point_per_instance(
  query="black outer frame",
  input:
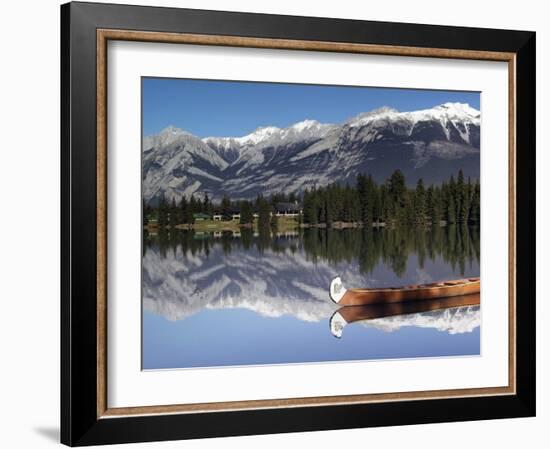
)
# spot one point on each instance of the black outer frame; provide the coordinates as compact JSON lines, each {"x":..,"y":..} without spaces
{"x":79,"y":422}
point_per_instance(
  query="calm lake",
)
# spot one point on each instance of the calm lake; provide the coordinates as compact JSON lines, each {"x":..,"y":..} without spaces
{"x":229,"y":299}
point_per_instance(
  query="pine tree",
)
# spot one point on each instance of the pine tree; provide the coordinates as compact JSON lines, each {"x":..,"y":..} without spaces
{"x":377,"y":204}
{"x":193,"y":206}
{"x":420,"y":202}
{"x":450,"y":216}
{"x":345,"y":216}
{"x":264,"y":214}
{"x":186,"y":216}
{"x":474,"y":215}
{"x":461,"y":199}
{"x":355,"y":209}
{"x":408,"y":214}
{"x":321,"y":206}
{"x":328,"y":210}
{"x":207,"y":205}
{"x":162,"y":211}
{"x":396,"y":186}
{"x":468,"y":194}
{"x":174,"y":215}
{"x":226,"y":208}
{"x":145,"y":212}
{"x":451,"y":212}
{"x":430,"y":193}
{"x":384,"y":204}
{"x":257,"y":202}
{"x":309,"y":208}
{"x":246,"y":213}
{"x":397,"y":196}
{"x":336,"y":203}
{"x":435,"y":207}
{"x":362,"y":193}
{"x":443,"y":199}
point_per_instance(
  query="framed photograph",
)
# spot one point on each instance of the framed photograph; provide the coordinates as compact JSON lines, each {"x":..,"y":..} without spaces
{"x":279,"y":224}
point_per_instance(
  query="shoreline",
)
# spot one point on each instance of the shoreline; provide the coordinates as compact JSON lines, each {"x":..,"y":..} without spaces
{"x":291,"y":224}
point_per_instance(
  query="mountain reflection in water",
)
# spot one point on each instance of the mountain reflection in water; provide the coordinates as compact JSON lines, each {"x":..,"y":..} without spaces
{"x":234,"y":287}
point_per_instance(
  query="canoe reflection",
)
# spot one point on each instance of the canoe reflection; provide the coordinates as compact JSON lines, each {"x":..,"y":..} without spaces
{"x":348,"y":315}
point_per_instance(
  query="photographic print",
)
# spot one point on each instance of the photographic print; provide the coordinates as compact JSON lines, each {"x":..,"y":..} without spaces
{"x":259,"y":223}
{"x":292,"y":223}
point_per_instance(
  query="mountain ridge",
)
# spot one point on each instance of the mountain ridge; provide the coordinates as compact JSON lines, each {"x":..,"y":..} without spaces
{"x":429,"y":143}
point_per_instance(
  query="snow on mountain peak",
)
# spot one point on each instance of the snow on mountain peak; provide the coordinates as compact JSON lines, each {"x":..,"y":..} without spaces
{"x":171,"y":129}
{"x":447,"y":111}
{"x":458,"y":109}
{"x":306,"y":128}
{"x":171,"y":133}
{"x":268,"y":159}
{"x":453,"y":111}
{"x":258,"y":135}
{"x":366,"y":117}
{"x":306,"y":124}
{"x":167,"y":136}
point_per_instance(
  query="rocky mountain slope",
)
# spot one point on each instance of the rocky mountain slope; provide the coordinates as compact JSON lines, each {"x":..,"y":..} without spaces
{"x":432,"y":144}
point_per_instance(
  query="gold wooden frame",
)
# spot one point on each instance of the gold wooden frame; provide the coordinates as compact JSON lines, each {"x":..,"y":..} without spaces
{"x":104,"y":35}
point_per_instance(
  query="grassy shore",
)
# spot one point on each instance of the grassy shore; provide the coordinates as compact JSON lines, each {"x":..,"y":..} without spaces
{"x":283,"y":224}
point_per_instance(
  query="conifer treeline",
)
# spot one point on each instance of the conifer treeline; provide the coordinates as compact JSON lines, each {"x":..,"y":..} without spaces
{"x":455,"y":201}
{"x":393,"y":203}
{"x":170,"y":213}
{"x":457,"y":246}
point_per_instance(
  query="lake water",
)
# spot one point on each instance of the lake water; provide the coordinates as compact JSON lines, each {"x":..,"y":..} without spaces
{"x":225,"y":300}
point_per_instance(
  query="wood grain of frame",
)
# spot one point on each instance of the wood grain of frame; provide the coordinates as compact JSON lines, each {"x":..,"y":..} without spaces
{"x":103,"y":36}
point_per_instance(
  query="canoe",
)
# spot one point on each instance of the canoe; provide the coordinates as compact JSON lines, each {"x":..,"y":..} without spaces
{"x":366,"y":296}
{"x":348,"y":315}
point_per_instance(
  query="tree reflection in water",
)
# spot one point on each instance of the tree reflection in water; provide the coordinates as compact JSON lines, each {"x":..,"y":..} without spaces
{"x":457,"y":246}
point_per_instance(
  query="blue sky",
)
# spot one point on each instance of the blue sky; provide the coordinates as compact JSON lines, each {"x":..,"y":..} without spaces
{"x":235,"y":108}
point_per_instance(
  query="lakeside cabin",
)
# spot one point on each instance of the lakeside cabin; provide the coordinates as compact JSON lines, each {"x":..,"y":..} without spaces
{"x":201,"y":217}
{"x":287,"y":209}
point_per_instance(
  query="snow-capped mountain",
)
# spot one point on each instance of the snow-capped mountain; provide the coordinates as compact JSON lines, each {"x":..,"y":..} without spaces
{"x":178,"y":163}
{"x":431,"y":143}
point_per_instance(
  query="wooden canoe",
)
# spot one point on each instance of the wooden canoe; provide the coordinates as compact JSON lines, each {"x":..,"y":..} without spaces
{"x":366,"y":296}
{"x":348,"y":315}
